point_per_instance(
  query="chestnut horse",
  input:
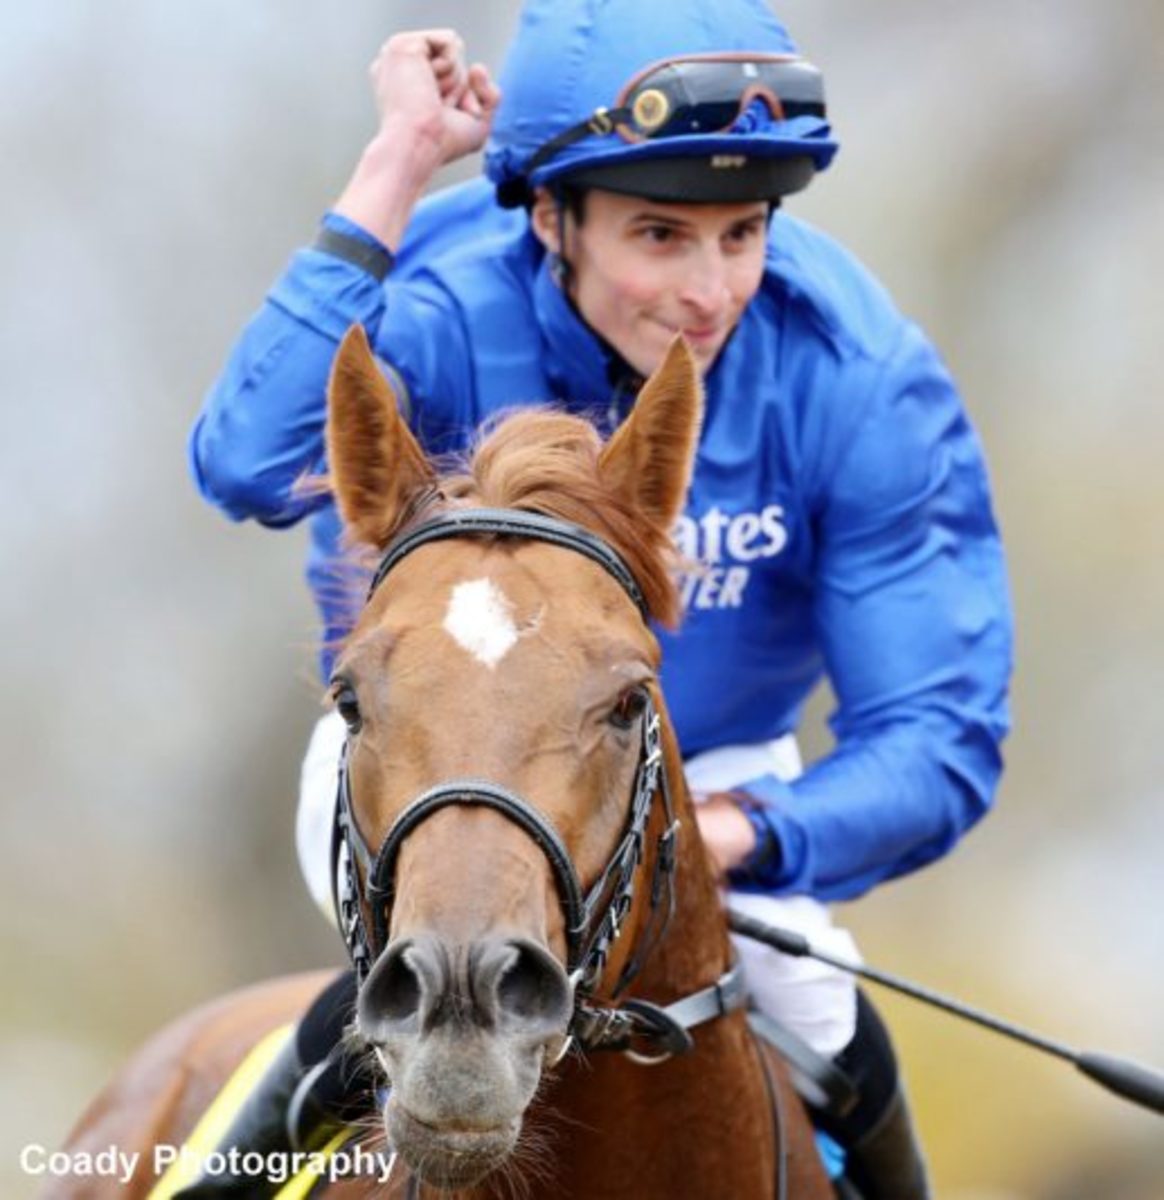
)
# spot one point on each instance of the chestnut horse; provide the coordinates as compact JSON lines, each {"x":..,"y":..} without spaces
{"x":547,"y":980}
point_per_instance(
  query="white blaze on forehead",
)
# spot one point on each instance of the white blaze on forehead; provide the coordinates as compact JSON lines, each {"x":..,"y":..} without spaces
{"x":480,"y":620}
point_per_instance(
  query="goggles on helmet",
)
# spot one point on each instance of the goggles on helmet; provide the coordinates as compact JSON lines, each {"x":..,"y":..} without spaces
{"x":698,"y":94}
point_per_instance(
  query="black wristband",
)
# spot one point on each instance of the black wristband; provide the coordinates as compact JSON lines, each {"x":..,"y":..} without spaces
{"x":374,"y":259}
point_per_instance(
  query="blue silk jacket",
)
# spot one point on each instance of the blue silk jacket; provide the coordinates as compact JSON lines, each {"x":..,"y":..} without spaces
{"x":840,"y":502}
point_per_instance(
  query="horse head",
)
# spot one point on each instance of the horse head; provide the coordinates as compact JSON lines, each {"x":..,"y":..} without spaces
{"x":498,"y":688}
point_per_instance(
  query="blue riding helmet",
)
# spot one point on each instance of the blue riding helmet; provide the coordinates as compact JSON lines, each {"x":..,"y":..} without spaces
{"x":679,"y":100}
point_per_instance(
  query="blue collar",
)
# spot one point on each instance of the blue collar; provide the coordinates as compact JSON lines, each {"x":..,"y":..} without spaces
{"x":579,"y":364}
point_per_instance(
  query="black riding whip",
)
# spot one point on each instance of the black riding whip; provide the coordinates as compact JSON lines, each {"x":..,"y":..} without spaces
{"x":1142,"y":1085}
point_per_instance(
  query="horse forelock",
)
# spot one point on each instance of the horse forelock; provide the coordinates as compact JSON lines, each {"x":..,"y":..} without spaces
{"x":546,"y":461}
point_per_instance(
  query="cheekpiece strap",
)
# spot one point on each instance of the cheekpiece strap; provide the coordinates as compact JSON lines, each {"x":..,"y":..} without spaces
{"x":348,"y":845}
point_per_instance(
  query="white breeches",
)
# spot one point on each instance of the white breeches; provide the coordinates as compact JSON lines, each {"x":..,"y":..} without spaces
{"x":815,"y":1001}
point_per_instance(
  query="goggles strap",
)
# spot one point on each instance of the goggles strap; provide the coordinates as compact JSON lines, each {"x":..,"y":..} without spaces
{"x":601,"y":121}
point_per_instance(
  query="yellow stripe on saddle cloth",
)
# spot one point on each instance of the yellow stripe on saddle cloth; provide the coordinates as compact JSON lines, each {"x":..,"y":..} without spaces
{"x":207,"y":1135}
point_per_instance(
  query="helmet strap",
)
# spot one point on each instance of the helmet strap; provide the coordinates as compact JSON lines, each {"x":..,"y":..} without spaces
{"x":559,"y":263}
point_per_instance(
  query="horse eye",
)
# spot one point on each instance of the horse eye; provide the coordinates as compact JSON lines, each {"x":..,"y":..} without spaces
{"x":343,"y":696}
{"x":629,"y":708}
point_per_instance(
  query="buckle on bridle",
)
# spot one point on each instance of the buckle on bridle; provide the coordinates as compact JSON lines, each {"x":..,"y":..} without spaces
{"x":600,"y":121}
{"x":666,"y":852}
{"x":661,"y":1028}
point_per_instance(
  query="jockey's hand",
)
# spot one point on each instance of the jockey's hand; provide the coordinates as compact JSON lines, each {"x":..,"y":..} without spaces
{"x":427,"y":94}
{"x":433,"y":109}
{"x":727,"y":833}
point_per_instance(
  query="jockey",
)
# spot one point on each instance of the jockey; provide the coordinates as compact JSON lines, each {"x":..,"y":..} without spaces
{"x":638,"y":155}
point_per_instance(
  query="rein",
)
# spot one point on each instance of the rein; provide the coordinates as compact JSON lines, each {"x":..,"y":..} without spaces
{"x":594,"y":918}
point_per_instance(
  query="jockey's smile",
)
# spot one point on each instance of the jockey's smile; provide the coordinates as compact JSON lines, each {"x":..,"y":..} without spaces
{"x":640,"y":271}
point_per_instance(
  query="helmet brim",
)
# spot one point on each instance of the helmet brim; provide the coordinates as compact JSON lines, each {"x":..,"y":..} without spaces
{"x":717,"y":179}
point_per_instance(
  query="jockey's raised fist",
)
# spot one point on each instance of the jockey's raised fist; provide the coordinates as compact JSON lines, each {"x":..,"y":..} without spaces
{"x":426,"y":93}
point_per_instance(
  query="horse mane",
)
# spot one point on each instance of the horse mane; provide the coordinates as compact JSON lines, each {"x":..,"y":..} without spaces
{"x":547,"y":461}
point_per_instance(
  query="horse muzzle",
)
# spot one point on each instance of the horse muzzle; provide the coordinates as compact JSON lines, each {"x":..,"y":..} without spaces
{"x":448,"y":1157}
{"x":463,"y":1032}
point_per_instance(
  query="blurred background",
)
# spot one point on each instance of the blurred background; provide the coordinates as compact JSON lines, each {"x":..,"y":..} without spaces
{"x":1002,"y":172}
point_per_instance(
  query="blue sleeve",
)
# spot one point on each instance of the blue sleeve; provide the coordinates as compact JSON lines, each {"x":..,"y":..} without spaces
{"x":914,"y":622}
{"x":261,"y":426}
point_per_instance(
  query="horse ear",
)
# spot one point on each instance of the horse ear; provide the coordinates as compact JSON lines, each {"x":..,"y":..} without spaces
{"x":649,"y":459}
{"x":377,"y":466}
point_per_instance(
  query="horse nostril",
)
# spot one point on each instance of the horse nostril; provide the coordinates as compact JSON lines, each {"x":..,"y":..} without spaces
{"x":394,"y":991}
{"x":534,"y":987}
{"x":399,"y":990}
{"x":413,"y":988}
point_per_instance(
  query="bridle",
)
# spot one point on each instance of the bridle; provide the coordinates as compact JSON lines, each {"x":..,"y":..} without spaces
{"x":593,"y":919}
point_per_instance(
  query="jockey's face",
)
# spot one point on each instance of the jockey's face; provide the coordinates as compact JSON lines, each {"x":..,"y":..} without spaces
{"x":641,"y":271}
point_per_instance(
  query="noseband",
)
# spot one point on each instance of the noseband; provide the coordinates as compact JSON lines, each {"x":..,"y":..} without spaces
{"x":594,"y":918}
